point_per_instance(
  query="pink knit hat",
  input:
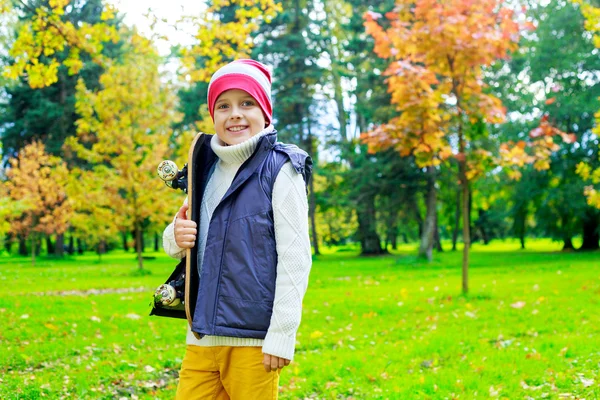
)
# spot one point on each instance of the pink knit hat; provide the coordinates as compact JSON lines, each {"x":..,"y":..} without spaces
{"x":247,"y":75}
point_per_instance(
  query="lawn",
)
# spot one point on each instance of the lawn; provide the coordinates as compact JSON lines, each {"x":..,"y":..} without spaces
{"x":373,"y":328}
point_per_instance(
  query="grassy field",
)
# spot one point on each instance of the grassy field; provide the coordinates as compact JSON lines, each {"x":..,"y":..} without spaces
{"x":373,"y":328}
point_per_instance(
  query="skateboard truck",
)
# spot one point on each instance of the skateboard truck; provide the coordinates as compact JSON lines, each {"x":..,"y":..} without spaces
{"x":170,"y":294}
{"x":172,"y":176}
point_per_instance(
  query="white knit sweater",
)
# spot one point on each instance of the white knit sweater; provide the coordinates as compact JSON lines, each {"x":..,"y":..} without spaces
{"x":290,"y":214}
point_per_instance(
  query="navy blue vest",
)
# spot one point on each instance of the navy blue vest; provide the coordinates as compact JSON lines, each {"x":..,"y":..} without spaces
{"x":234,"y":296}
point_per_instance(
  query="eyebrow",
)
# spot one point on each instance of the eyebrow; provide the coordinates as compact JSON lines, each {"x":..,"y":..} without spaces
{"x":247,"y":97}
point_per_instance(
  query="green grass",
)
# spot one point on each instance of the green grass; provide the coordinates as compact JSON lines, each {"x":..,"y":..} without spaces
{"x":373,"y":328}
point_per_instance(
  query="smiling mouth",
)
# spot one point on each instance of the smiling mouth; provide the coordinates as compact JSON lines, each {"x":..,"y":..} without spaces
{"x":237,"y":128}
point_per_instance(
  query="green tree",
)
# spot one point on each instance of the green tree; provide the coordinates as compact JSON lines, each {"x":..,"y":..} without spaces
{"x":291,"y":44}
{"x":554,"y":73}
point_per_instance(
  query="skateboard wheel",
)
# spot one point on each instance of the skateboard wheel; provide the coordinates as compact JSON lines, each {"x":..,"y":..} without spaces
{"x":167,"y":170}
{"x":166,"y":295}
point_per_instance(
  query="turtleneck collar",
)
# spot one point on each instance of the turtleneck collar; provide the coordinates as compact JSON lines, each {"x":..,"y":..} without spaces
{"x":238,"y":153}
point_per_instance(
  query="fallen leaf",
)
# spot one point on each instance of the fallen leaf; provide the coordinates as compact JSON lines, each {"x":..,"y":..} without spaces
{"x":518,"y":304}
{"x":586,"y":382}
{"x":316,"y":334}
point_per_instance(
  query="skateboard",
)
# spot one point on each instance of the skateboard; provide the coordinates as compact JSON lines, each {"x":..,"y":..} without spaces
{"x":172,"y":298}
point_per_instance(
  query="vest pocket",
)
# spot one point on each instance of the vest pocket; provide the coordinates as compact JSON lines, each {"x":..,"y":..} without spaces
{"x":250,"y":260}
{"x":244,"y":314}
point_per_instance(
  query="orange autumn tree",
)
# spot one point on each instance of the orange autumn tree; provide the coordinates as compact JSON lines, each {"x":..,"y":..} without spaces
{"x":437,"y":53}
{"x":35,"y":182}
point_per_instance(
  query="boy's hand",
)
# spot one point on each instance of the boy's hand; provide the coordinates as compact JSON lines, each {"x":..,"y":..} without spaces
{"x":273,"y":363}
{"x":184,"y":229}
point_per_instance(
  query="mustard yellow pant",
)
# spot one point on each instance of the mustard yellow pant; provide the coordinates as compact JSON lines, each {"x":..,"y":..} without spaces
{"x":225,"y":372}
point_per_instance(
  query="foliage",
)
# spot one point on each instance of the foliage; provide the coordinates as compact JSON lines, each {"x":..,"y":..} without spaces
{"x":435,"y":78}
{"x":123,"y":133}
{"x":36,"y":181}
{"x":220,"y":41}
{"x":48,"y":33}
{"x":48,"y":114}
{"x":592,"y":24}
{"x":337,"y":221}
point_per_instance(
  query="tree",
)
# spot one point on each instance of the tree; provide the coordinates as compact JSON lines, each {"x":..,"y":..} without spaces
{"x":438,"y":51}
{"x":47,"y":33}
{"x":123,"y":133}
{"x":46,"y":112}
{"x":223,"y":32}
{"x":290,"y":43}
{"x":36,"y":182}
{"x":360,"y":98}
{"x":553,"y":75}
{"x":591,"y":12}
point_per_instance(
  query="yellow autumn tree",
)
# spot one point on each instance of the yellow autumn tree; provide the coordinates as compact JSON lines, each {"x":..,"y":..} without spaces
{"x":36,"y":183}
{"x":95,"y":219}
{"x":47,"y":33}
{"x":123,"y":134}
{"x":221,"y":39}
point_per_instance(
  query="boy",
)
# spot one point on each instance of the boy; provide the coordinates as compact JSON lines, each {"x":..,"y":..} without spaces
{"x":247,"y":242}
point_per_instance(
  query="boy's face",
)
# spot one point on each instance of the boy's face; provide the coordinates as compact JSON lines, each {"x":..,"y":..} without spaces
{"x":238,"y":117}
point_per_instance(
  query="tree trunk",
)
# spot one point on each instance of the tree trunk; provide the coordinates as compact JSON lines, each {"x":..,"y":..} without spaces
{"x":466,"y":227}
{"x":49,"y":245}
{"x":417,"y":214}
{"x":101,"y":249}
{"x":8,"y":239}
{"x":79,"y":246}
{"x":456,"y":220}
{"x":369,"y":239}
{"x":392,"y":231}
{"x":591,"y":235}
{"x":568,"y":244}
{"x":312,"y":210}
{"x":436,"y":235}
{"x":313,"y":220}
{"x":156,"y":242}
{"x":427,"y":237}
{"x":138,"y":248}
{"x":521,"y":224}
{"x":482,"y":221}
{"x":59,"y":247}
{"x":466,"y":200}
{"x":125,"y":244}
{"x":135,"y":240}
{"x":22,"y":246}
{"x":71,"y":248}
{"x":33,"y":240}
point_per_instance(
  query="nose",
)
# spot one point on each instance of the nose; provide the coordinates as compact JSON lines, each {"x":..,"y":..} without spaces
{"x":235,"y":113}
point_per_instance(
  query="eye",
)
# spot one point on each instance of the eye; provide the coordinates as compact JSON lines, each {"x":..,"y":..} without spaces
{"x":248,"y":103}
{"x":222,"y":106}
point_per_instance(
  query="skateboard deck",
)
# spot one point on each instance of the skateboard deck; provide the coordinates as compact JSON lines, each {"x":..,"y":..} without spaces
{"x":182,"y":271}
